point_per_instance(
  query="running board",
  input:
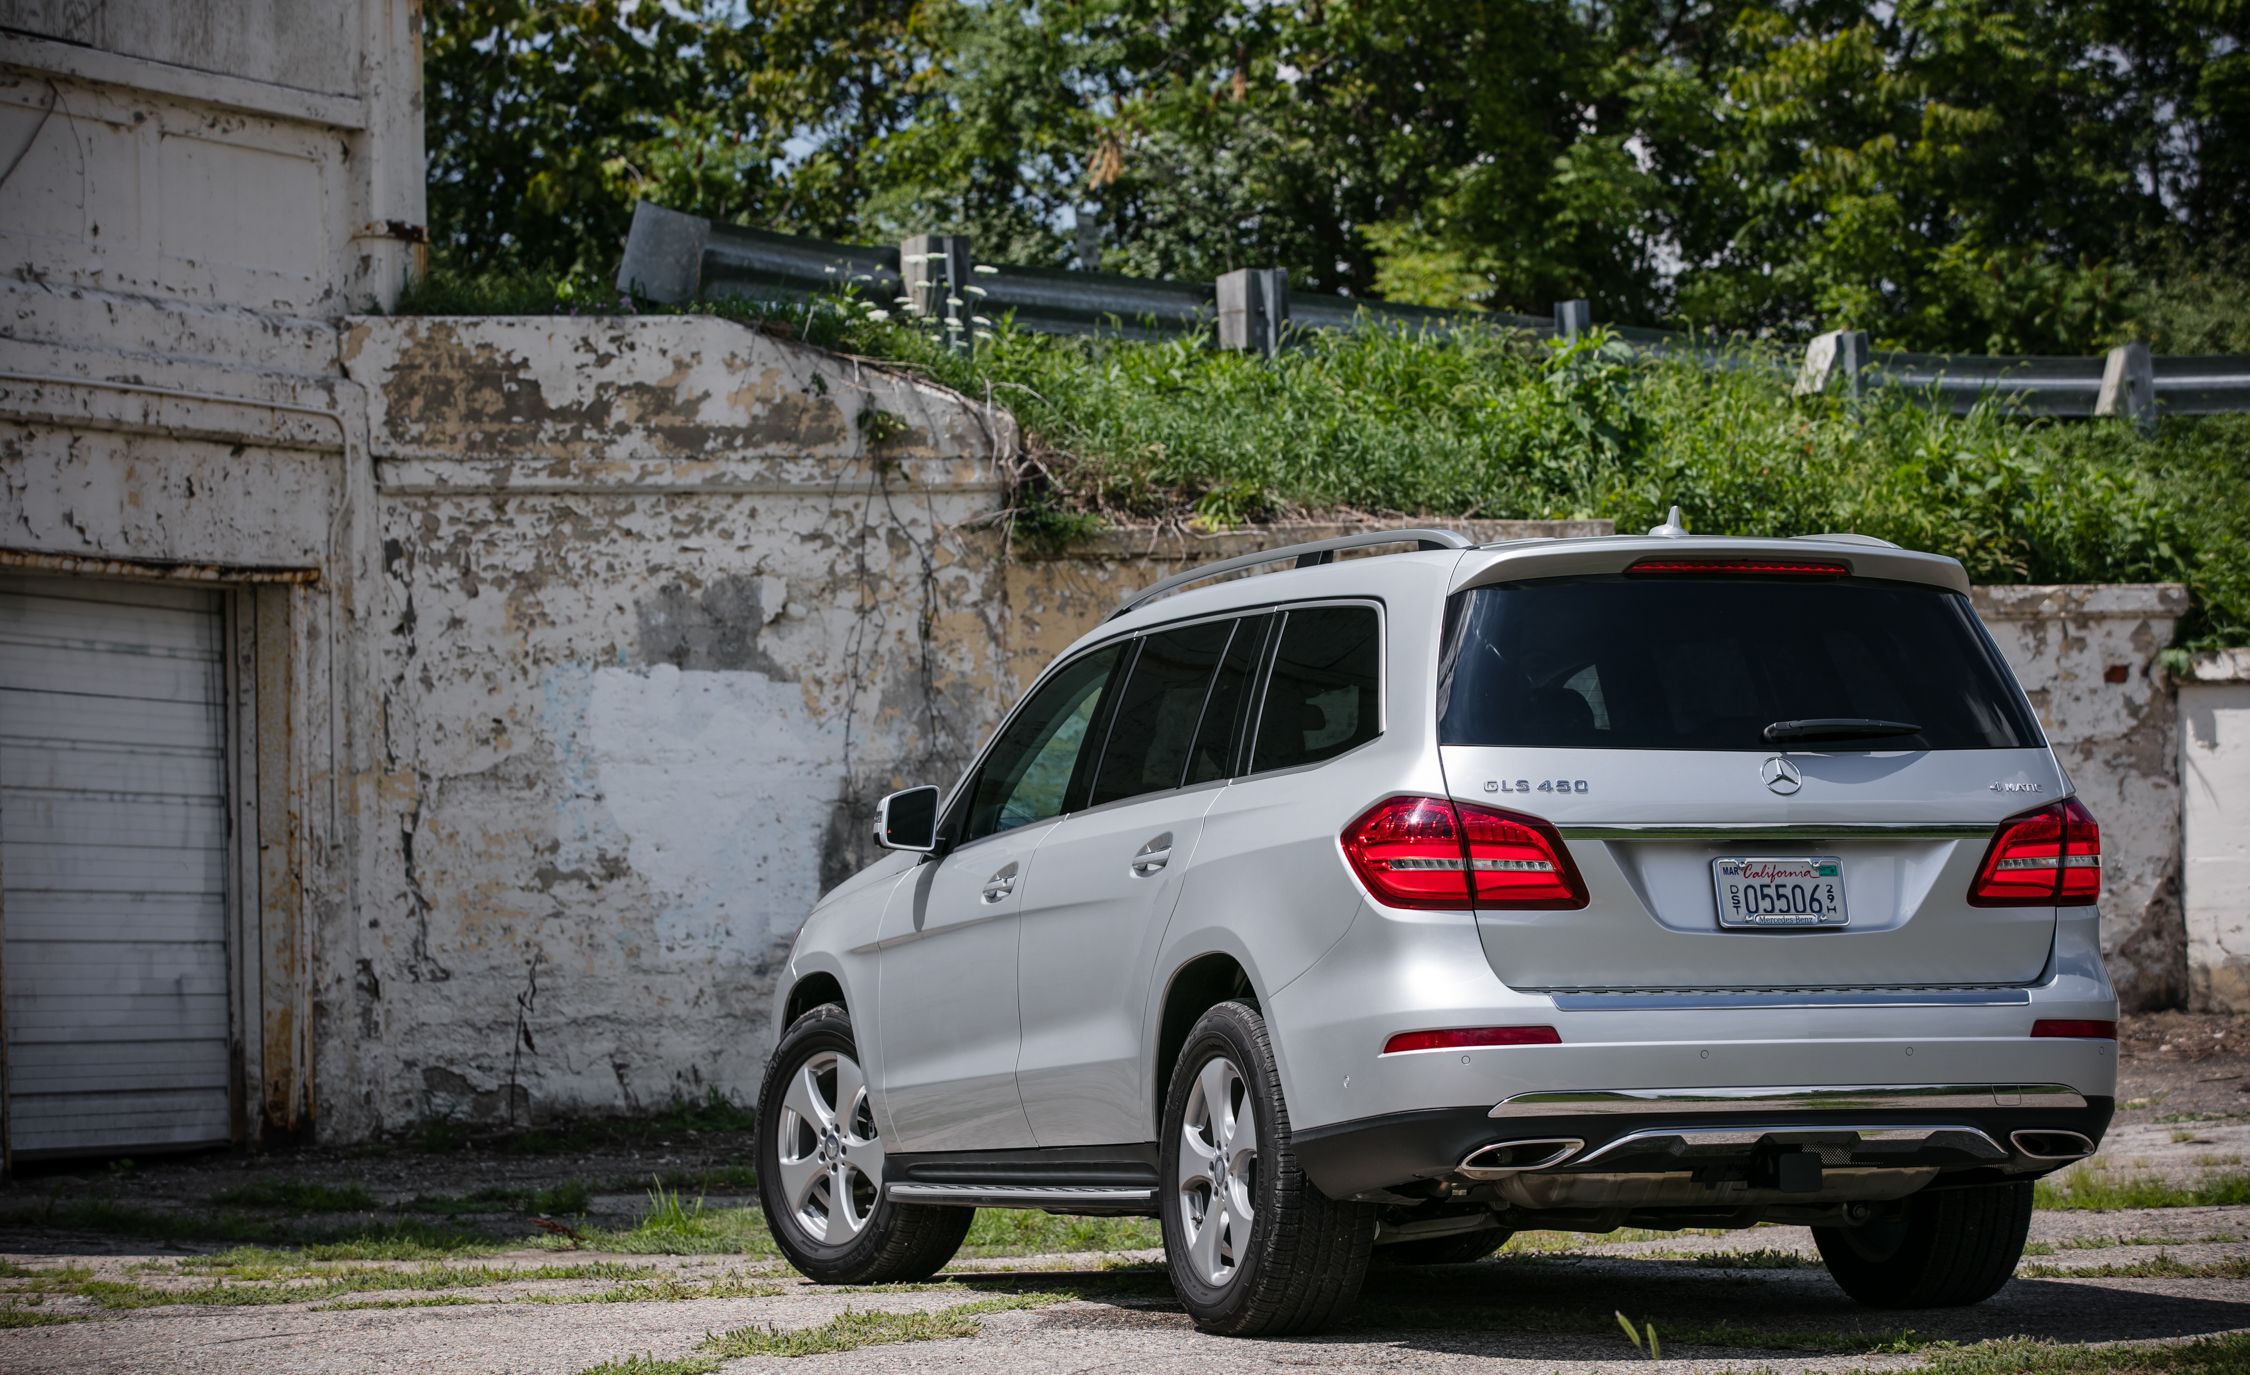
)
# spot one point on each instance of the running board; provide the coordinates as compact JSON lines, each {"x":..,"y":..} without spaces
{"x":1056,"y":1198}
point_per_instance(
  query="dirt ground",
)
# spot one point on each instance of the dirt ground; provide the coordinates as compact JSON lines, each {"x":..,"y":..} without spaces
{"x":552,"y":1255}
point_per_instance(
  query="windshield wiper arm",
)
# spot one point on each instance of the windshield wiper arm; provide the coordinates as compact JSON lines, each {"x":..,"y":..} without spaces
{"x":1837,"y":728}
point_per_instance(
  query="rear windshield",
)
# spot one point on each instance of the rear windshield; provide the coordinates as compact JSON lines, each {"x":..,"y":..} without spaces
{"x":1710,"y":663}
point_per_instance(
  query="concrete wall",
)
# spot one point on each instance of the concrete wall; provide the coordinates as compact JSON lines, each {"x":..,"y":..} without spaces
{"x":2088,"y":658}
{"x":2215,"y":808}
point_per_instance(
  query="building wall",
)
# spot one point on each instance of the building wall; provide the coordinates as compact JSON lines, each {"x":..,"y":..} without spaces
{"x":2215,"y":789}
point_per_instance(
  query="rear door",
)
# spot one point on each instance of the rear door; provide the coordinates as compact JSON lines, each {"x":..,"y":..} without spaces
{"x":1102,"y":886}
{"x":1721,"y":847}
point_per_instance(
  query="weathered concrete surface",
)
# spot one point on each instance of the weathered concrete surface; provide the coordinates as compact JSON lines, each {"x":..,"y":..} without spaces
{"x":666,"y":604}
{"x":2088,"y":658}
{"x":2215,"y":829}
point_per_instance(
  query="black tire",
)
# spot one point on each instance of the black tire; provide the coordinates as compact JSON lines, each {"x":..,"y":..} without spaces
{"x":1298,"y":1262}
{"x":1941,"y":1248}
{"x":894,"y":1241}
{"x":1458,"y":1249}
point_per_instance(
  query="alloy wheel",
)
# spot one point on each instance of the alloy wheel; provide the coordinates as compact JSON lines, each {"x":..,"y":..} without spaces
{"x":830,"y":1158}
{"x":1218,"y":1171}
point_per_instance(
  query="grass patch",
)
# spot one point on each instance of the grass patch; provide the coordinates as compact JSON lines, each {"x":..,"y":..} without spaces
{"x":1022,"y":1232}
{"x":425,"y":1301}
{"x":2092,"y":1190}
{"x":847,"y":1331}
{"x":255,"y":1281}
{"x":14,"y":1316}
{"x":1764,"y":1258}
{"x":571,"y":1198}
{"x":299,"y":1196}
{"x":388,"y":1238}
{"x":2228,"y":1355}
{"x":2160,"y":1266}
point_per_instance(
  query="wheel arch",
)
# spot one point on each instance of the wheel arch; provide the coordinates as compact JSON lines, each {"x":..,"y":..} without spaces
{"x":812,"y":988}
{"x":1194,"y":988}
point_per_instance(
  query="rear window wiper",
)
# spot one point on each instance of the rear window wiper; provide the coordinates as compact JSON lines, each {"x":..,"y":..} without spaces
{"x":1836,"y":728}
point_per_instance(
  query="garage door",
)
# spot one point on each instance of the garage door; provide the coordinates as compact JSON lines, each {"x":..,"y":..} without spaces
{"x":113,"y":864}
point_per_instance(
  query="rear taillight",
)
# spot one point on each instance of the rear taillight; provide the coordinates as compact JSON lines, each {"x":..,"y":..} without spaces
{"x":1429,"y":852}
{"x":1738,"y":568}
{"x":2049,"y":857}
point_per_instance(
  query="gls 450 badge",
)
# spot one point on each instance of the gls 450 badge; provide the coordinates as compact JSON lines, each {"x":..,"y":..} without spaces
{"x":1544,"y":785}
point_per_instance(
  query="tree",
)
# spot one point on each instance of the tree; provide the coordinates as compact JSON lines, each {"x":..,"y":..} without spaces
{"x":545,"y":122}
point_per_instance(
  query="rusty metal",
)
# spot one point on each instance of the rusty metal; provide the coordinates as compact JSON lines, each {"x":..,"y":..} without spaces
{"x":33,"y":561}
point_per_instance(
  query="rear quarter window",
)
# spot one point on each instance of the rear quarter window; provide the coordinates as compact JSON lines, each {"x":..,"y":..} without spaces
{"x":1708,"y":663}
{"x":1324,"y":691}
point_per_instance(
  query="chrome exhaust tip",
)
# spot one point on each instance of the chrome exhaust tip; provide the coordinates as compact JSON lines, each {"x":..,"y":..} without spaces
{"x":2037,"y":1144}
{"x":1504,"y":1158}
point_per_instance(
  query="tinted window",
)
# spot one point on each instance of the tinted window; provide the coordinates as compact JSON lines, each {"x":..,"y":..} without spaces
{"x":1707,"y":664}
{"x":1215,"y":739}
{"x":1322,"y":695}
{"x":1154,"y":726}
{"x":1029,"y":773}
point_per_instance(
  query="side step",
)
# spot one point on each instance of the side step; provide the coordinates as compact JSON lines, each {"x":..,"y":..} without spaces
{"x":1094,"y":1199}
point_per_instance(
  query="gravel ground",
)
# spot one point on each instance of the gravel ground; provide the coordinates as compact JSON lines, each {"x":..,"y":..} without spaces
{"x":1752,"y":1300}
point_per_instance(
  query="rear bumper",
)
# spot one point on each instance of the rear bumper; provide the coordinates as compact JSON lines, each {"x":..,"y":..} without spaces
{"x":1717,"y":1136}
{"x":1366,"y":1120}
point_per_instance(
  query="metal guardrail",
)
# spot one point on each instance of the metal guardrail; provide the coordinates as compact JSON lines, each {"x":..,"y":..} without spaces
{"x":673,"y":259}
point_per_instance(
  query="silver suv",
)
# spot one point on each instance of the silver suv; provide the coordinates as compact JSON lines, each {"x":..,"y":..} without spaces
{"x":1383,"y":906}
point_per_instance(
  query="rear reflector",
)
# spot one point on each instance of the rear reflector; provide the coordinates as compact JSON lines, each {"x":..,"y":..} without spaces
{"x":1471,"y":1038}
{"x":1739,"y":568}
{"x":1434,"y":853}
{"x":2076,"y":1030}
{"x":2049,"y":857}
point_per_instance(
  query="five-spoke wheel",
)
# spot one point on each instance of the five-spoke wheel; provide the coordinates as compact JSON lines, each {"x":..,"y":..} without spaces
{"x":829,"y":1156}
{"x":1218,"y":1170}
{"x":820,"y":1167}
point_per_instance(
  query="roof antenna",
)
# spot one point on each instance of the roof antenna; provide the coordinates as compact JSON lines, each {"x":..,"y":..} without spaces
{"x":1673,"y":527}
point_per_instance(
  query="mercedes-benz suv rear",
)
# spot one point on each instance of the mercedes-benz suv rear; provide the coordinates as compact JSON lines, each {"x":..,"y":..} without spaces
{"x":1402,"y":903}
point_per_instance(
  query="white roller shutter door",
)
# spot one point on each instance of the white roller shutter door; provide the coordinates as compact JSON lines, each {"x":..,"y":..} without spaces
{"x":113,"y":862}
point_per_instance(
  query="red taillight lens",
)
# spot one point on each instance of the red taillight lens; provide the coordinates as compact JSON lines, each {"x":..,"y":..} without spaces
{"x":1739,"y":568}
{"x":1472,"y":1037}
{"x":2051,"y":856}
{"x":2076,"y":1030}
{"x":1427,"y":852}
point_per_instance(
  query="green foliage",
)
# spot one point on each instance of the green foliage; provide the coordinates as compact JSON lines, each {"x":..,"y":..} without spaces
{"x":1977,"y":175}
{"x":2089,"y":1189}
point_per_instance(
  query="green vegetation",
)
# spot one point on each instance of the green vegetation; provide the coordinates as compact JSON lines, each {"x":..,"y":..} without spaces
{"x":2026,"y":1356}
{"x":847,"y":1331}
{"x":2160,"y":1266}
{"x":298,"y":1196}
{"x":14,"y":1316}
{"x":1973,"y":174}
{"x":2102,"y":1191}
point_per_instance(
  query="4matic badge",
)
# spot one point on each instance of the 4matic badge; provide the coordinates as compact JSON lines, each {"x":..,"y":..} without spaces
{"x":2001,"y":787}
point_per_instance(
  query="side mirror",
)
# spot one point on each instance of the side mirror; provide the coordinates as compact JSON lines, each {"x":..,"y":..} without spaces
{"x":907,"y":820}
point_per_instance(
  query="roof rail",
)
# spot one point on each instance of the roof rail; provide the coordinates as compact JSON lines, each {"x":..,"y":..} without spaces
{"x":1310,"y":555}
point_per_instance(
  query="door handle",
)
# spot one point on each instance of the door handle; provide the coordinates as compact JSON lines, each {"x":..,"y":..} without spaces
{"x":1001,"y":884}
{"x":1153,"y":856}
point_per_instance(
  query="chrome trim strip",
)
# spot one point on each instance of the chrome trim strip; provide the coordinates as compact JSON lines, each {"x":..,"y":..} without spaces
{"x":1696,"y":1138}
{"x":1784,"y":998}
{"x":1730,"y":832}
{"x":1022,"y":1195}
{"x":1864,"y":1098}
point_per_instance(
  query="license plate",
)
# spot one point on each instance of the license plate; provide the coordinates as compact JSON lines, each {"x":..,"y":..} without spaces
{"x":1759,"y":892}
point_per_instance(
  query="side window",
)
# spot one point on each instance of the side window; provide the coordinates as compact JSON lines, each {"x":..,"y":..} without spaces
{"x":1154,"y":726}
{"x":1213,"y":755}
{"x":1027,"y":776}
{"x":1322,"y":697}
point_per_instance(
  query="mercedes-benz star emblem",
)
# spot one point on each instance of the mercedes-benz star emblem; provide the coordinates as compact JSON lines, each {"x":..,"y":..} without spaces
{"x":1781,"y":775}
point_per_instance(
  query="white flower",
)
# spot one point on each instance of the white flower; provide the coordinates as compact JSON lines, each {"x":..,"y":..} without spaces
{"x":985,"y":270}
{"x":830,"y":269}
{"x":980,"y":320}
{"x":955,"y":301}
{"x":902,"y":300}
{"x":875,"y":313}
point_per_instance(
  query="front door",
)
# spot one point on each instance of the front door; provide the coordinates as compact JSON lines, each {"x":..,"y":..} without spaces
{"x":950,"y":1023}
